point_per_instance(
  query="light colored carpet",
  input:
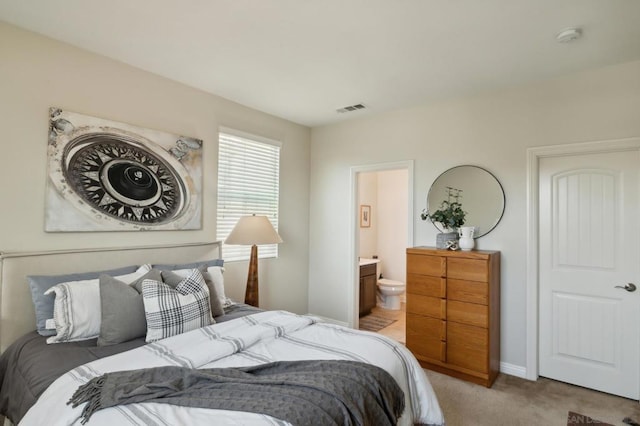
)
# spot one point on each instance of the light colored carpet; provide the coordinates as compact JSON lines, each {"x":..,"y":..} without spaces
{"x":513,"y":402}
{"x":374,"y":322}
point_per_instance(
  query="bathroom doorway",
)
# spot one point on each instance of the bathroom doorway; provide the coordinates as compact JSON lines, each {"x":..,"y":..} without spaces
{"x":383,"y":201}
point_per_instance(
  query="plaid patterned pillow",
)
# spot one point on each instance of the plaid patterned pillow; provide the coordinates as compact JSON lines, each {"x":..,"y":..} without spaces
{"x":174,"y":311}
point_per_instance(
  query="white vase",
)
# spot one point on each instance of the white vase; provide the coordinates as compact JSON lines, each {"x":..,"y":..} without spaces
{"x":466,"y":241}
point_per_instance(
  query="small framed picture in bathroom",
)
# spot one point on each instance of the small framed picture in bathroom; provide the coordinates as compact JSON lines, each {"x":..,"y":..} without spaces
{"x":365,"y":216}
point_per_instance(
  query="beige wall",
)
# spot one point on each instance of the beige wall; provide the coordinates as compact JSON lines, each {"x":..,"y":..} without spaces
{"x":392,"y":219}
{"x":368,"y":195}
{"x":37,"y":73}
{"x":386,"y":192}
{"x":492,"y":131}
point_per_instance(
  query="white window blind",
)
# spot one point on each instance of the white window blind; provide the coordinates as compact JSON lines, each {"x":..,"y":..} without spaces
{"x":248,"y":183}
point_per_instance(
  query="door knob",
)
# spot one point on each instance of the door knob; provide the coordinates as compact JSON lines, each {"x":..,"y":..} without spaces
{"x":629,"y":287}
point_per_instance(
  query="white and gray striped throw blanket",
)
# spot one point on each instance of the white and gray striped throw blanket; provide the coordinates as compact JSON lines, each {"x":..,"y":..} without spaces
{"x":256,"y":339}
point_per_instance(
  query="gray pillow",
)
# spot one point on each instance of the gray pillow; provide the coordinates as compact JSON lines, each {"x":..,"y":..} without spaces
{"x":122,"y":317}
{"x":195,"y":265}
{"x":43,"y":304}
{"x":173,"y":279}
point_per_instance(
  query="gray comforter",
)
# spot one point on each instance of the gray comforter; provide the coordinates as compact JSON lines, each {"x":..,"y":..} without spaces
{"x":30,"y":365}
{"x":300,"y":392}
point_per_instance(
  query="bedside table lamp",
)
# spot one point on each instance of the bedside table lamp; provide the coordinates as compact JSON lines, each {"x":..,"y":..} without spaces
{"x":253,"y":230}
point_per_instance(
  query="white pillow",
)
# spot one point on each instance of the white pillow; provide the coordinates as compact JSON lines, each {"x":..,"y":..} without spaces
{"x":218,"y":281}
{"x":174,"y":311}
{"x":76,"y":309}
{"x":213,"y":274}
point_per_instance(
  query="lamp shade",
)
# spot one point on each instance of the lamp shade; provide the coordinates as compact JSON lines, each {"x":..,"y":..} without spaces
{"x":252,"y":230}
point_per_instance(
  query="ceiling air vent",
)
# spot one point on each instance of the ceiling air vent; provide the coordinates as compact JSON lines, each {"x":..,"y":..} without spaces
{"x":350,"y":108}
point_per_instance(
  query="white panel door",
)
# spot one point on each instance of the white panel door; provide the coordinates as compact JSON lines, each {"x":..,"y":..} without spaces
{"x":589,"y":245}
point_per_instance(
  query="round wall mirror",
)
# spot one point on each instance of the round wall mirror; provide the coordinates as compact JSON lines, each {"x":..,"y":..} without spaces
{"x":481,"y":196}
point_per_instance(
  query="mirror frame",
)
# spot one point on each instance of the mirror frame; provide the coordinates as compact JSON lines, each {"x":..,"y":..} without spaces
{"x":504,"y":198}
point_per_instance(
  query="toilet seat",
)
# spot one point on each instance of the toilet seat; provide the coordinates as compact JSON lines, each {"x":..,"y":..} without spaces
{"x":390,"y":283}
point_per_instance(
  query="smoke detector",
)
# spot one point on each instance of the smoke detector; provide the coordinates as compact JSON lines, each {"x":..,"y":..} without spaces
{"x":569,"y":35}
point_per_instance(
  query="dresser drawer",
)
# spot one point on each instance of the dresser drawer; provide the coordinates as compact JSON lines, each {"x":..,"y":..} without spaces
{"x":426,"y":285}
{"x":423,"y":347}
{"x":468,"y":269}
{"x":426,"y":327}
{"x":426,"y":265}
{"x":468,"y":291}
{"x":468,"y":313}
{"x":424,"y":305}
{"x":468,"y":347}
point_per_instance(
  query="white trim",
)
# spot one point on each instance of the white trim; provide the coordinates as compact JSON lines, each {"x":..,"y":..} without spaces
{"x":532,"y":266}
{"x":247,"y":135}
{"x":513,"y":370}
{"x":533,"y":160}
{"x":353,"y":291}
{"x":329,"y":320}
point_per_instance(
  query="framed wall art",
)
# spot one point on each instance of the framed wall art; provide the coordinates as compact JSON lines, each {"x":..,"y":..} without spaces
{"x":365,"y":216}
{"x":109,"y":176}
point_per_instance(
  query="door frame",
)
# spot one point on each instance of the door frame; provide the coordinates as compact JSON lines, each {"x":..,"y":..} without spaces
{"x":533,"y":163}
{"x":353,"y":292}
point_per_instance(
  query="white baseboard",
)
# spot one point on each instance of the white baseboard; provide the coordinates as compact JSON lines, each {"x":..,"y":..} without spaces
{"x":330,"y":320}
{"x":513,"y":370}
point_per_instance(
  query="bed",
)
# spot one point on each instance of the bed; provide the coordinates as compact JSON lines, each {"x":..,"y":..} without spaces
{"x":38,"y":379}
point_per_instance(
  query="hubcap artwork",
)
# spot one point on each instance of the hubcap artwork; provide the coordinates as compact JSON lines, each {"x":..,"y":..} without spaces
{"x":123,"y":180}
{"x":110,"y":176}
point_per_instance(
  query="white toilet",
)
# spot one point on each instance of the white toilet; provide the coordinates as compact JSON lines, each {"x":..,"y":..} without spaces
{"x":389,"y":293}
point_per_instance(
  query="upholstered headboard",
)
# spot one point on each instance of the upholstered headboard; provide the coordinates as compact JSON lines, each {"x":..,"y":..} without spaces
{"x":17,"y":315}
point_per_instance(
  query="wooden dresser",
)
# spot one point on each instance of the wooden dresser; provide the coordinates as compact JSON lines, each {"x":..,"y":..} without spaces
{"x":453,"y":312}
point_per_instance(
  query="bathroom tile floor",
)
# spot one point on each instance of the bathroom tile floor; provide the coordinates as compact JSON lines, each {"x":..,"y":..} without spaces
{"x":397,"y":330}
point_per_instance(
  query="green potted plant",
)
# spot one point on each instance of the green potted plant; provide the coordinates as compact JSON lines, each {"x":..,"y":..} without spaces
{"x":450,"y":216}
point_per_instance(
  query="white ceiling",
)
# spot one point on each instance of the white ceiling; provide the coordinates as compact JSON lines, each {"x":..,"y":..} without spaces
{"x":303,"y":59}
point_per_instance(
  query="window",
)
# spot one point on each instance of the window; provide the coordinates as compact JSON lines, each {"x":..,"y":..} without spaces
{"x":248,"y":183}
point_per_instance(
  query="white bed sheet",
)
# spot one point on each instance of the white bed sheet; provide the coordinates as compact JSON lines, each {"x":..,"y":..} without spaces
{"x":255,"y":339}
